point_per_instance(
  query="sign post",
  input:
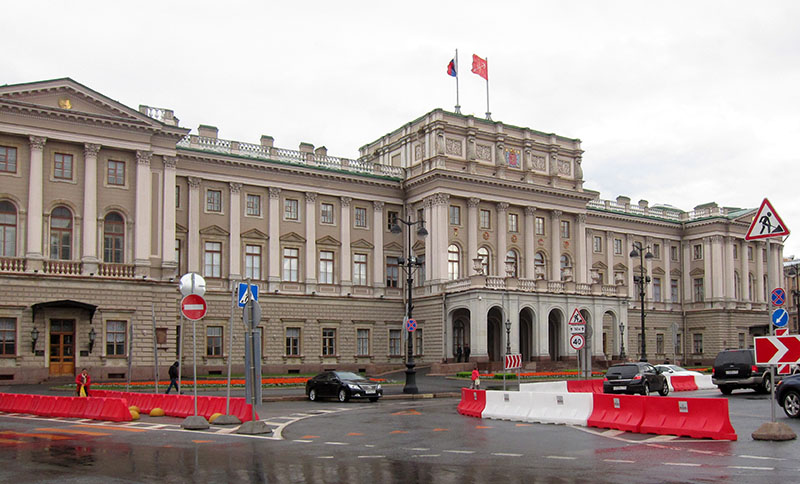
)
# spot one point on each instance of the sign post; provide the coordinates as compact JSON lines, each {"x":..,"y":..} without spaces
{"x":251,"y":316}
{"x":193,"y":307}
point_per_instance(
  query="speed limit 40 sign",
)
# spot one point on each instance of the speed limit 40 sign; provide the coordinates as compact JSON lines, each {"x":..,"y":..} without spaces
{"x":577,"y":341}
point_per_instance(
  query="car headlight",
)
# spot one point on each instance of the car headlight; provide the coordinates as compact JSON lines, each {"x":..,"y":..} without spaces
{"x":353,"y":386}
{"x":378,"y":387}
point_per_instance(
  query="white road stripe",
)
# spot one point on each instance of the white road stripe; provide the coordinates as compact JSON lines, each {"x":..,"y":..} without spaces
{"x":620,"y":461}
{"x":561,"y":457}
{"x":302,"y":440}
{"x":427,"y":455}
{"x":682,"y":464}
{"x":749,"y":468}
{"x":760,"y":457}
{"x":325,"y":457}
{"x":419,"y":449}
{"x":337,"y":443}
{"x":501,"y":454}
{"x":460,"y":451}
{"x":372,"y":457}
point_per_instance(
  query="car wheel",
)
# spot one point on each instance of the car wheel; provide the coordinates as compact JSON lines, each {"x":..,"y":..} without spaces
{"x":373,"y":399}
{"x":646,"y":390}
{"x":312,"y":395}
{"x":726,"y":390}
{"x":766,"y":386}
{"x":791,"y":404}
{"x":343,"y":396}
{"x":664,"y":389}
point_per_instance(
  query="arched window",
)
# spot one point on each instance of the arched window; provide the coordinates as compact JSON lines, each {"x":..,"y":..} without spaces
{"x":511,"y":256}
{"x":751,"y":283}
{"x":8,"y":229}
{"x":453,"y":262}
{"x":540,"y":265}
{"x":737,"y":285}
{"x":566,"y":268}
{"x":483,"y":255}
{"x":113,"y":238}
{"x":61,"y":233}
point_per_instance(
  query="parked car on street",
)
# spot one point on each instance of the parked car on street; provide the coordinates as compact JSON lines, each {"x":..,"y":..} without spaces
{"x":675,"y":370}
{"x":342,"y":385}
{"x":635,"y":378}
{"x":787,"y":392}
{"x":737,"y":369}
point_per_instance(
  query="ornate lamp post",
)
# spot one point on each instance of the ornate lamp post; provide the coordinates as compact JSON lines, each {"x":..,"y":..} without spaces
{"x":34,"y":338}
{"x":642,"y":280}
{"x":622,"y":341}
{"x":409,"y":264}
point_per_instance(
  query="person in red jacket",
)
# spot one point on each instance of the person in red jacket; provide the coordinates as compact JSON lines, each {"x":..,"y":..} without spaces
{"x":476,"y":378}
{"x":83,"y":380}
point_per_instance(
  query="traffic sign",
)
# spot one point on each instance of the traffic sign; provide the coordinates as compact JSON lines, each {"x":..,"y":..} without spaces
{"x":577,"y":318}
{"x":193,"y":307}
{"x":783,"y":369}
{"x":251,"y":315}
{"x":513,"y":362}
{"x":778,"y":297}
{"x":243,"y":297}
{"x":411,"y":325}
{"x":577,"y":328}
{"x":767,"y":223}
{"x":780,"y":317}
{"x":771,"y":350}
{"x":577,"y":341}
{"x":192,"y":283}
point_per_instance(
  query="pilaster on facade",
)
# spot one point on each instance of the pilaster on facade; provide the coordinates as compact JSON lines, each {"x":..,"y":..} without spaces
{"x":378,"y":280}
{"x":555,"y":245}
{"x":34,"y":227}
{"x":193,"y":256}
{"x":143,"y":213}
{"x":89,"y":259}
{"x":502,"y":231}
{"x":530,"y":246}
{"x":235,"y":225}
{"x":311,"y":242}
{"x":169,"y":265}
{"x":760,"y":254}
{"x":274,"y":229}
{"x":582,"y":255}
{"x":346,"y":281}
{"x":472,"y":232}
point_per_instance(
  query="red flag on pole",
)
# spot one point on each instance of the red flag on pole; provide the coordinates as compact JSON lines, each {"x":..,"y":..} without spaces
{"x":480,"y":67}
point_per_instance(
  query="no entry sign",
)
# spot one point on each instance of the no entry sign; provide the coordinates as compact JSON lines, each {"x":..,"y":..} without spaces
{"x":193,"y":307}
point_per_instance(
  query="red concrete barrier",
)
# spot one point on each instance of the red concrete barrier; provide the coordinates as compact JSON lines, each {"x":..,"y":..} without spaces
{"x":684,"y":383}
{"x":77,"y":407}
{"x":47,"y":406}
{"x":699,"y":418}
{"x":115,"y":410}
{"x":22,"y":404}
{"x":585,"y":386}
{"x":6,"y":399}
{"x":472,"y":402}
{"x":621,"y":412}
{"x":185,"y":406}
{"x":94,"y":408}
{"x":203,"y":406}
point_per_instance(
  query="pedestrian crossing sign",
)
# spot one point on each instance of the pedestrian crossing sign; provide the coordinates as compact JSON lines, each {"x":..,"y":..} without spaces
{"x":767,"y":223}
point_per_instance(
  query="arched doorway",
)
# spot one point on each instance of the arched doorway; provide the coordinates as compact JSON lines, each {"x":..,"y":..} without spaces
{"x":494,"y":334}
{"x":526,"y":333}
{"x":554,"y":323}
{"x":461,"y":328}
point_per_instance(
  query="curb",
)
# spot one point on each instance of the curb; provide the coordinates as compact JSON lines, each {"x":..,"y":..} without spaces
{"x":417,"y":396}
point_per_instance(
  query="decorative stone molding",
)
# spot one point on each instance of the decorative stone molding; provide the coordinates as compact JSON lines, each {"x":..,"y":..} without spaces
{"x":556,"y":214}
{"x":502,"y":207}
{"x":346,"y":201}
{"x":194,"y":182}
{"x":440,"y":199}
{"x":483,"y":152}
{"x":377,"y":206}
{"x":235,"y":187}
{"x":581,"y":218}
{"x":530,"y":210}
{"x":274,"y":193}
{"x":170,"y":162}
{"x":90,"y":150}
{"x":453,"y":147}
{"x":578,"y":169}
{"x":564,"y":167}
{"x":311,"y":197}
{"x":538,"y":163}
{"x":419,"y":149}
{"x":554,"y":161}
{"x":143,"y":157}
{"x":473,"y":202}
{"x":37,"y":142}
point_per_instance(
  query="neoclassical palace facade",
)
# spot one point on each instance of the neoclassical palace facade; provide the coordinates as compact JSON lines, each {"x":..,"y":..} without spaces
{"x":103,"y":207}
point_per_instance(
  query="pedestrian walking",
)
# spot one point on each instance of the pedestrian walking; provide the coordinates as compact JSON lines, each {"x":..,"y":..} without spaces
{"x":173,"y":378}
{"x":458,"y":354}
{"x":476,"y":379}
{"x":83,"y":380}
{"x":466,"y":353}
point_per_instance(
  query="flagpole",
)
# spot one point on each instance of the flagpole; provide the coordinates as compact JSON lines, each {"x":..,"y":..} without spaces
{"x":458,"y":106}
{"x":488,"y":113}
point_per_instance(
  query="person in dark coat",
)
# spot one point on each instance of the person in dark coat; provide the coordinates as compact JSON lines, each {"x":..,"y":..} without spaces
{"x":173,"y":378}
{"x":458,"y":354}
{"x":466,"y":352}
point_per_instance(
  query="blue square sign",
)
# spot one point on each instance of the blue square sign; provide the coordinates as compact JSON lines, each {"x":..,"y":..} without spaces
{"x":243,"y":293}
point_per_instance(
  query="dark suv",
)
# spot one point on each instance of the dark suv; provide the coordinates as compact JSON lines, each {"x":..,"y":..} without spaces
{"x":737,"y":369}
{"x":639,"y":377}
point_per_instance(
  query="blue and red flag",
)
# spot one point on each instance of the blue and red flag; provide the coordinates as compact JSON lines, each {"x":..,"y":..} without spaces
{"x":451,"y":68}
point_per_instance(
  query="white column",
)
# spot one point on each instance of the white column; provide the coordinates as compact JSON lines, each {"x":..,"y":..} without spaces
{"x":581,"y":254}
{"x":235,"y":237}
{"x":730,"y":282}
{"x":274,"y":238}
{"x":472,"y":234}
{"x":530,"y":247}
{"x":648,"y":270}
{"x":555,"y":246}
{"x":378,"y":279}
{"x":707,"y":268}
{"x":141,"y":248}
{"x":744,"y":272}
{"x":440,"y":202}
{"x":610,"y":260}
{"x":718,"y":268}
{"x":90,"y":202}
{"x":688,"y":295}
{"x":666,"y":286}
{"x":760,"y":271}
{"x":502,"y":233}
{"x":168,"y":242}
{"x":434,"y":232}
{"x":193,"y":256}
{"x":345,"y":269}
{"x":311,"y":241}
{"x":35,"y":222}
{"x":633,"y":290}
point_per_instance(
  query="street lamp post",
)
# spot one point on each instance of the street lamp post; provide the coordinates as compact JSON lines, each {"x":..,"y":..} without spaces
{"x":642,"y":280}
{"x":409,"y":264}
{"x":622,"y":341}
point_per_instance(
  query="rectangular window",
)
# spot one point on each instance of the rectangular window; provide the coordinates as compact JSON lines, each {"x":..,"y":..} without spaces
{"x":750,"y":254}
{"x":697,"y":343}
{"x":292,"y":341}
{"x":8,"y":336}
{"x":660,"y":343}
{"x":362,"y":342}
{"x":213,"y":259}
{"x":539,"y":225}
{"x":418,"y":340}
{"x":360,"y":269}
{"x":252,"y":262}
{"x":291,"y":264}
{"x":678,"y":344}
{"x":391,"y":219}
{"x":617,"y":246}
{"x":657,"y":251}
{"x":178,"y":253}
{"x":420,"y":214}
{"x":597,"y":244}
{"x":116,"y":173}
{"x":565,"y":229}
{"x":674,"y":290}
{"x":253,"y":205}
{"x":328,"y":342}
{"x":291,"y":209}
{"x":214,"y":341}
{"x":326,"y":213}
{"x":392,"y":272}
{"x":697,"y":251}
{"x":8,"y":159}
{"x":360,"y":217}
{"x":115,"y":338}
{"x":395,"y":344}
{"x":177,"y":196}
{"x":213,"y":201}
{"x":62,"y":168}
{"x":673,"y":253}
{"x":455,"y":215}
{"x":485,"y":219}
{"x":735,"y":251}
{"x":326,"y":267}
{"x":699,"y":290}
{"x":657,"y":289}
{"x":741,"y":341}
{"x":513,"y":222}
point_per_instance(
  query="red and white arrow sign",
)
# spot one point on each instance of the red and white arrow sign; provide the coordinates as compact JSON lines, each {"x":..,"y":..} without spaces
{"x":771,"y":350}
{"x":513,"y":361}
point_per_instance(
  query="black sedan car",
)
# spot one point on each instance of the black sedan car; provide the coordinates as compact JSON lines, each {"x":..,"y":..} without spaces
{"x":788,"y":395}
{"x":633,"y":378}
{"x":342,"y":385}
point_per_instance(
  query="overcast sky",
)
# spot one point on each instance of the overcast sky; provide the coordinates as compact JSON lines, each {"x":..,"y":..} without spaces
{"x":680,"y":102}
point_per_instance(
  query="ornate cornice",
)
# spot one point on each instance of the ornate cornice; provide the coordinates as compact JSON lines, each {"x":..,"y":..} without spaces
{"x":144,"y":157}
{"x":37,"y":142}
{"x":90,"y":150}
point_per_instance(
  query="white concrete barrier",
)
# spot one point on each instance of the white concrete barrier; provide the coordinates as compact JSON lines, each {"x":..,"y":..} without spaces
{"x":544,"y":387}
{"x":507,"y":405}
{"x":704,"y":382}
{"x":561,"y":408}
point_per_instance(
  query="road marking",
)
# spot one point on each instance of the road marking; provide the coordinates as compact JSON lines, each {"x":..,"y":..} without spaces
{"x":460,"y":451}
{"x":372,"y":457}
{"x":441,"y":430}
{"x":69,"y":431}
{"x":427,"y":455}
{"x":419,"y":449}
{"x":620,"y":461}
{"x":337,"y":443}
{"x":203,"y":441}
{"x":482,"y":427}
{"x":502,"y":454}
{"x":561,"y":457}
{"x":523,"y":425}
{"x":399,"y":432}
{"x":760,"y":457}
{"x":325,"y":457}
{"x":38,"y":436}
{"x":352,"y":434}
{"x":682,"y":464}
{"x":110,"y":427}
{"x":407,"y":412}
{"x":302,"y":440}
{"x":369,"y":445}
{"x":749,"y":468}
{"x":310,"y":437}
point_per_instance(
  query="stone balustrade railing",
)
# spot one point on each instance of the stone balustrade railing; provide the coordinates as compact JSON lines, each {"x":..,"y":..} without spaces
{"x":12,"y":264}
{"x":116,"y":270}
{"x":62,"y":267}
{"x":673,"y":214}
